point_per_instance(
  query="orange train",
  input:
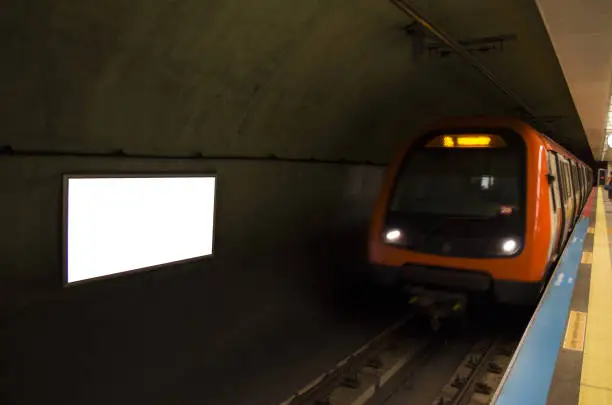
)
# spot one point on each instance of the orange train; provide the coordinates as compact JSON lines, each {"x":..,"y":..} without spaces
{"x":482,"y":205}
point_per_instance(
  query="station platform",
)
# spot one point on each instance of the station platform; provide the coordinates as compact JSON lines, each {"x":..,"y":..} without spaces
{"x":565,"y":355}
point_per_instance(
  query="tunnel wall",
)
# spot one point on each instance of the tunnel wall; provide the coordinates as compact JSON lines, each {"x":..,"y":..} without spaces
{"x":282,"y":230}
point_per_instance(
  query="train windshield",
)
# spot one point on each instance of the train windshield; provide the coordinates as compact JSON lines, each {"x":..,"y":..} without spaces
{"x":477,"y":182}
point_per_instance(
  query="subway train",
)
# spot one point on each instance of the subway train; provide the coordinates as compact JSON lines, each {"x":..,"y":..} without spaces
{"x":477,"y":206}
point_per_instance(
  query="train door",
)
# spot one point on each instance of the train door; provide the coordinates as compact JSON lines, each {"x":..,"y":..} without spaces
{"x":587,"y":184}
{"x":577,"y":188}
{"x":557,"y":218}
{"x":585,"y":177}
{"x":580,"y":170}
{"x":571,"y":205}
{"x":581,"y":186}
{"x":568,"y":209}
{"x":562,"y":185}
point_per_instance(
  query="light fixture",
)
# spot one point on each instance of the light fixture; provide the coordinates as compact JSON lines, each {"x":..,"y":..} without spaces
{"x":609,"y":121}
{"x":393,"y":235}
{"x":608,"y":129}
{"x":510,"y":246}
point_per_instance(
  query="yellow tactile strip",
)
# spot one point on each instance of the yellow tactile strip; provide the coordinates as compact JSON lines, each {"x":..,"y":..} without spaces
{"x":576,"y":327}
{"x":596,"y":379}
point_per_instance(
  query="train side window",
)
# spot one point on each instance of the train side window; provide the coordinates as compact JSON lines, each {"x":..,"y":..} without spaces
{"x":567,"y":189}
{"x":579,"y":181}
{"x":576,"y":177}
{"x":583,"y":179}
{"x":580,"y":184}
{"x":570,"y":179}
{"x":572,"y":168}
{"x":562,"y":180}
{"x":554,"y":185}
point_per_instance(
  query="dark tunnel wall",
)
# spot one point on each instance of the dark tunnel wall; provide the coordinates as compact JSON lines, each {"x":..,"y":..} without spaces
{"x":298,"y":213}
{"x":283,"y":232}
{"x":173,"y":77}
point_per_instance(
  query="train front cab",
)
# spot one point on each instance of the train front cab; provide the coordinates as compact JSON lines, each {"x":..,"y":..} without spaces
{"x":469,"y":217}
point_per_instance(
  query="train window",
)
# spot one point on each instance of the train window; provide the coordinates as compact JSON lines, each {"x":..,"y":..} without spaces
{"x":554,"y":185}
{"x":577,"y":180}
{"x":467,"y":182}
{"x":561,"y":179}
{"x":584,"y":183}
{"x":570,"y":183}
{"x":566,"y":189}
{"x":575,"y":177}
{"x":570,"y":172}
{"x":578,"y":188}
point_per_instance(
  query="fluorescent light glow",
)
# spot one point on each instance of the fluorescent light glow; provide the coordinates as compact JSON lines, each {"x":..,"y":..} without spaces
{"x":393,"y":235}
{"x":510,"y":246}
{"x":608,"y":130}
{"x":609,"y":122}
{"x":120,"y":224}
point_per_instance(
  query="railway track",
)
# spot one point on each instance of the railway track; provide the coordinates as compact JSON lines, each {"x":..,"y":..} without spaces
{"x":376,"y":372}
{"x":357,"y":378}
{"x":479,"y":374}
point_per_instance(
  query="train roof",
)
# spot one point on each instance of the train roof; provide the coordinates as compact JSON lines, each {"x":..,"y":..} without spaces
{"x":501,"y":121}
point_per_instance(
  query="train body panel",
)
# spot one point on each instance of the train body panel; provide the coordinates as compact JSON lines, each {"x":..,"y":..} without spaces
{"x":459,"y":240}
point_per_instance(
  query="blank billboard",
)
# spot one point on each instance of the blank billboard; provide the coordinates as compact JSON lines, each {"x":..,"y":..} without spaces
{"x":117,"y":224}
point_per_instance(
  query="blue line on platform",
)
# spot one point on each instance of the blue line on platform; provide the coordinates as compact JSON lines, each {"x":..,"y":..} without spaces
{"x":528,"y":381}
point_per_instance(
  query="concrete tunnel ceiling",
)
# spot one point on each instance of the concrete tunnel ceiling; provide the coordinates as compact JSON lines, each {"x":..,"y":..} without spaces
{"x":330,"y":79}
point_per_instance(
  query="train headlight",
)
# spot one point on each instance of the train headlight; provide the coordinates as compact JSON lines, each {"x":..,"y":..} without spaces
{"x":394,"y":236}
{"x":510,"y":246}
